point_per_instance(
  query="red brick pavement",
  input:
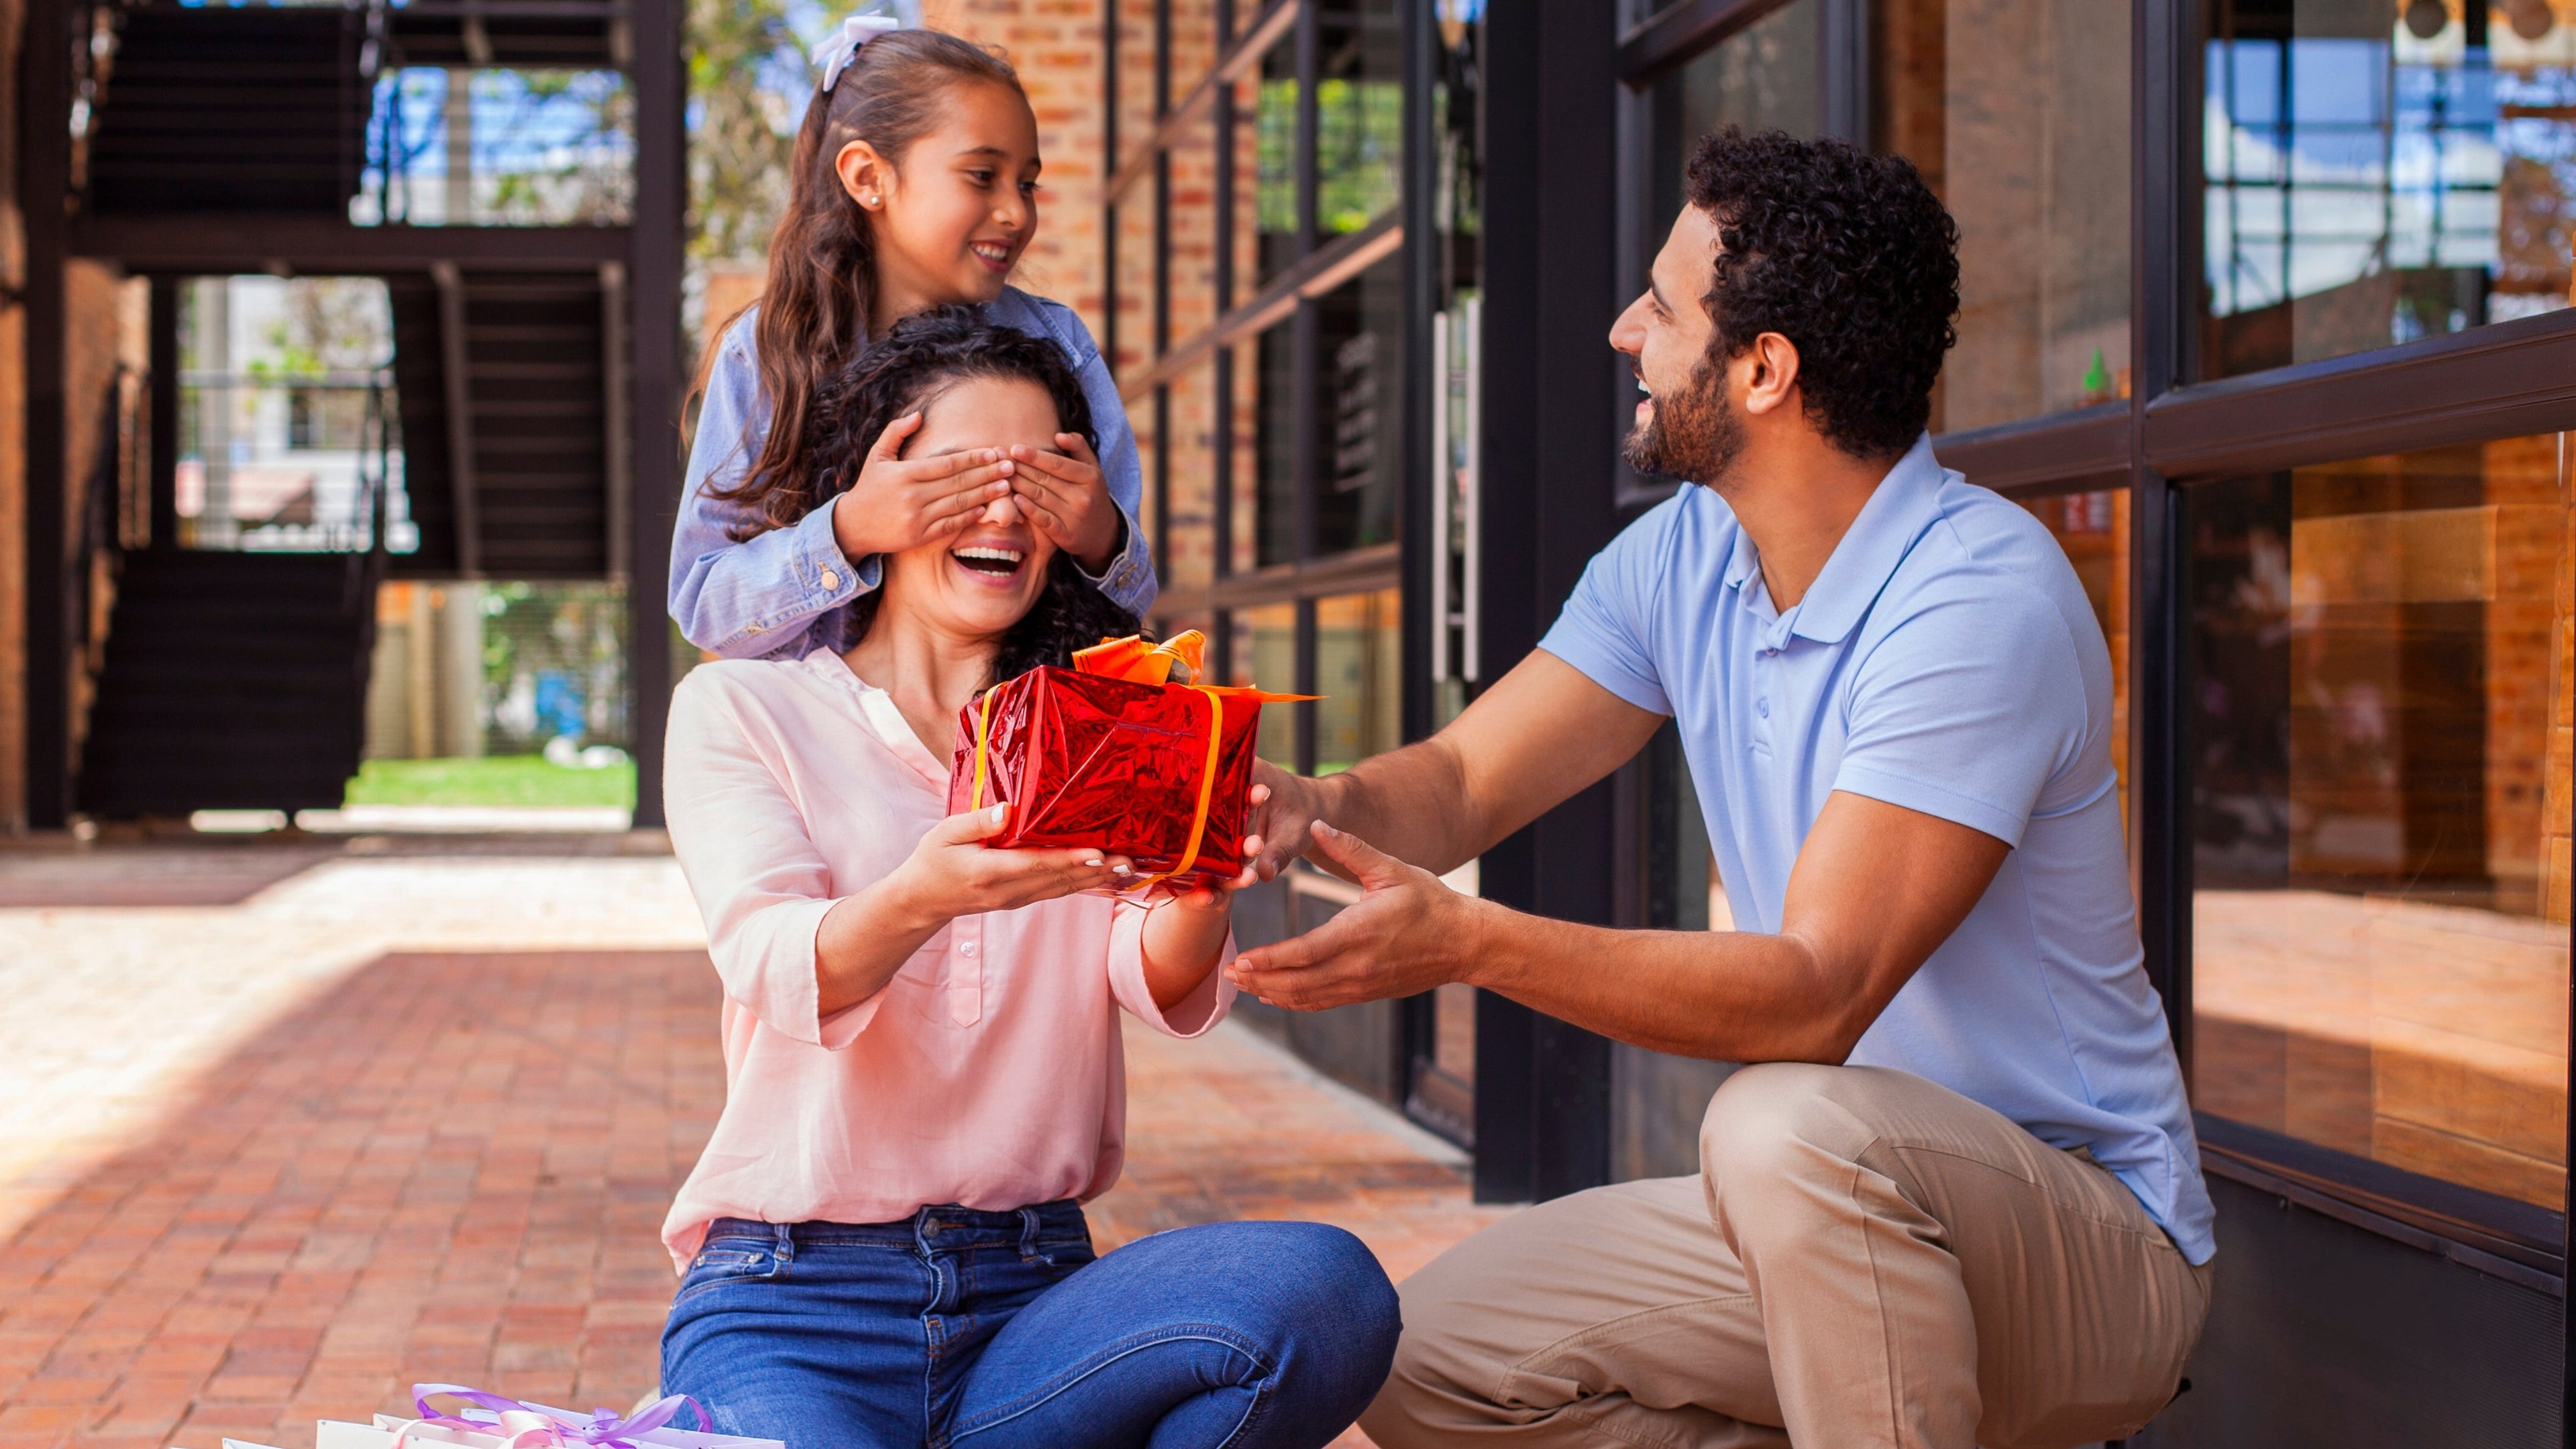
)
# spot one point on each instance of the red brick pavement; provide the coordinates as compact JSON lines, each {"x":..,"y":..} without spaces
{"x":454,"y":1167}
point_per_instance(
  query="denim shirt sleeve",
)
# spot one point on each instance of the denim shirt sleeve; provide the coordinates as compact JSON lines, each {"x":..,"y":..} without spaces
{"x":1129,"y":580}
{"x":761,"y":595}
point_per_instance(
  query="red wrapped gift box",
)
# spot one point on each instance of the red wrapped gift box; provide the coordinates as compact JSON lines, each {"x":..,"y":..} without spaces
{"x":1108,"y":755}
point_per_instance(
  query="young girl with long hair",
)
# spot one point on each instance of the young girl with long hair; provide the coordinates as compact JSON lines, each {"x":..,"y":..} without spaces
{"x":883,"y":1242}
{"x":914,"y":185}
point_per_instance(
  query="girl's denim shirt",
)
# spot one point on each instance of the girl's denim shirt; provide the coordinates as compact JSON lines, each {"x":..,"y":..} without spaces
{"x":785,"y":593}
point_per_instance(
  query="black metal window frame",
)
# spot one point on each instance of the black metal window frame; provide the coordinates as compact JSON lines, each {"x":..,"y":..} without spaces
{"x":1247,"y":34}
{"x":1317,"y":267}
{"x":1287,"y":300}
{"x":2175,"y":431}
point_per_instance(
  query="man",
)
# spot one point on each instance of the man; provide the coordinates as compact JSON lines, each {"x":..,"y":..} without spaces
{"x":1958,"y":1202}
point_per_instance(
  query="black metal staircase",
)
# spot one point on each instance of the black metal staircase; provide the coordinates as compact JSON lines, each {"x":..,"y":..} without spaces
{"x":232,"y":681}
{"x":504,"y":380}
{"x":231,"y":110}
{"x":208,"y":140}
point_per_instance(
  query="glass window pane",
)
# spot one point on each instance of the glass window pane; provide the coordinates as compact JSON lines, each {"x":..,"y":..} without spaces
{"x":1134,"y":219}
{"x":1265,"y":657}
{"x":1268,"y":110}
{"x":1763,"y":78}
{"x":1244,"y":462}
{"x":1359,"y":663}
{"x":1359,"y":413}
{"x":1193,"y":260}
{"x":1272,"y":382}
{"x":1457,"y":101}
{"x":1359,"y":113}
{"x":1193,"y":477}
{"x":2380,"y":718}
{"x":2017,"y":113}
{"x":1453,"y":1029}
{"x":2093,"y":528}
{"x":2379,"y":173}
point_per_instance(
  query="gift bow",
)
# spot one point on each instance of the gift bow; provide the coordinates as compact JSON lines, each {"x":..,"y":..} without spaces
{"x":1179,"y":660}
{"x":526,"y":1426}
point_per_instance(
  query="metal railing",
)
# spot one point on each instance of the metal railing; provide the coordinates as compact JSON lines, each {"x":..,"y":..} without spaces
{"x":537,"y":148}
{"x":291,"y":463}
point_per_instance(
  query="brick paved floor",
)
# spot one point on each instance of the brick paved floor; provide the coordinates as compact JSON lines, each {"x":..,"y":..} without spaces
{"x":285,"y":1129}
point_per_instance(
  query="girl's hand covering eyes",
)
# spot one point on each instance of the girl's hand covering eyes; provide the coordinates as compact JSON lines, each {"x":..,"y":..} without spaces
{"x":898,"y":503}
{"x":1068,"y":501}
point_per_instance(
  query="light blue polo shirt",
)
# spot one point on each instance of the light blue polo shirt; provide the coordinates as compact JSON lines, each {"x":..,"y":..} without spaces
{"x":1946,"y":660}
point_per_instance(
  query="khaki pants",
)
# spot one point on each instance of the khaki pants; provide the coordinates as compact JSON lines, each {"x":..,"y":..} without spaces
{"x":1866,"y":1260}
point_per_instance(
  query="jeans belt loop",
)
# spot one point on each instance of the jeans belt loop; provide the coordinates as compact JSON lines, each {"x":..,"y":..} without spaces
{"x":1028,"y":1235}
{"x":786,"y":1248}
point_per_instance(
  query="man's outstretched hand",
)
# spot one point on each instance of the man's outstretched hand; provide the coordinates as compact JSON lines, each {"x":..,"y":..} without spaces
{"x":1409,"y":933}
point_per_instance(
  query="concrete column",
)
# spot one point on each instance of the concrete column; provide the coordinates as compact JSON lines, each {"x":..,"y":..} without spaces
{"x":216,"y":527}
{"x":460,"y":671}
{"x":420,"y":673}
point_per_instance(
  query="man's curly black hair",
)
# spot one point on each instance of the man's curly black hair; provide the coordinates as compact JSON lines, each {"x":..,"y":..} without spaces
{"x":1852,"y":258}
{"x":919,"y":358}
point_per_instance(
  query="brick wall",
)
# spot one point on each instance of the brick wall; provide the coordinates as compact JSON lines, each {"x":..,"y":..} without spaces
{"x":104,"y":327}
{"x":1055,"y":44}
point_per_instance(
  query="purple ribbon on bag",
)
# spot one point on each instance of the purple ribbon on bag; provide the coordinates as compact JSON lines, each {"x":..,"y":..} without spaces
{"x":603,"y":1429}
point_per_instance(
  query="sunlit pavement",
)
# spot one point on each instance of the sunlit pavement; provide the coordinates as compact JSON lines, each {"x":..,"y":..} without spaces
{"x":285,"y":1127}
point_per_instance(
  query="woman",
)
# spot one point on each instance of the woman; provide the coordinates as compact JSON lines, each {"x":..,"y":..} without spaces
{"x":882,"y":1243}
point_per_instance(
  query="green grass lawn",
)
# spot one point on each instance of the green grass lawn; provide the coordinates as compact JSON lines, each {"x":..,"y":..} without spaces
{"x":493,"y":780}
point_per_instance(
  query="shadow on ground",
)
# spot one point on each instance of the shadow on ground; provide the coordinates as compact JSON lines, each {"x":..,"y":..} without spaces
{"x":448,"y":1167}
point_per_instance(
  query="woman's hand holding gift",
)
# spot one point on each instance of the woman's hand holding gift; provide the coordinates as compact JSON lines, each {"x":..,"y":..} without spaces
{"x":1067,"y":499}
{"x":897,"y":503}
{"x":953,"y":873}
{"x":865,"y":938}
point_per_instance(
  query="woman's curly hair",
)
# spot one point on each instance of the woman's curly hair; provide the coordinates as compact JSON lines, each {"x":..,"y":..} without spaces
{"x":1852,"y":258}
{"x":919,"y":358}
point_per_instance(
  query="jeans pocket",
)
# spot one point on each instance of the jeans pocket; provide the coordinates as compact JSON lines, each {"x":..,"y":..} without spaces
{"x":717,"y":1266}
{"x":1061,"y":1256}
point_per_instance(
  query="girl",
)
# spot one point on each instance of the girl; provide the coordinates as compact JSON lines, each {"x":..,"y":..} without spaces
{"x":882,"y":1243}
{"x":914,"y":185}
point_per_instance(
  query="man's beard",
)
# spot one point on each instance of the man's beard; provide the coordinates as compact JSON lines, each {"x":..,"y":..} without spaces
{"x":1693,"y":435}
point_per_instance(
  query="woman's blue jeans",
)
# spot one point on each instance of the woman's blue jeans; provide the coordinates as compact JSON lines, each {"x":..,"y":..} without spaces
{"x":996,"y":1330}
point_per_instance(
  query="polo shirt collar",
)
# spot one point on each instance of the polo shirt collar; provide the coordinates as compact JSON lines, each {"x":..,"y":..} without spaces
{"x":1899,"y":509}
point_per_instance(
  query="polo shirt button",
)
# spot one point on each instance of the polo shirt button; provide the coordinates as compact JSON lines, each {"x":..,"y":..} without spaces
{"x":1762,"y":707}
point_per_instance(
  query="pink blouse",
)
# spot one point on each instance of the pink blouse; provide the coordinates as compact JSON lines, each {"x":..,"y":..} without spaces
{"x":987,"y":1073}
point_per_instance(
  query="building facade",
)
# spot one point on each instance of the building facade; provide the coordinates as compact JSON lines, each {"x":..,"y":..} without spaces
{"x":2264,"y":315}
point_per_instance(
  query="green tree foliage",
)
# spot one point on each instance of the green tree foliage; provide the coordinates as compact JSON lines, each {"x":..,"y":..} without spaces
{"x":742,"y":132}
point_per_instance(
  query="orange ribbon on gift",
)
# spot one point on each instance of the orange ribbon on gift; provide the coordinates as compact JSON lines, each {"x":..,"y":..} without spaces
{"x":1179,"y":660}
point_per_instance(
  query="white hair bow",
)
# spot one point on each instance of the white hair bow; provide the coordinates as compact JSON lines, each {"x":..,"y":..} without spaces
{"x":842,"y":47}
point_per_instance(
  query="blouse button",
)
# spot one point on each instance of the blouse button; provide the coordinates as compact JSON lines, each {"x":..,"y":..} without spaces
{"x":967,"y":950}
